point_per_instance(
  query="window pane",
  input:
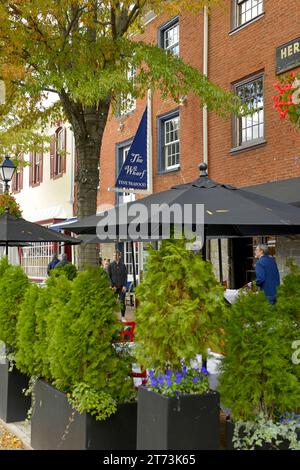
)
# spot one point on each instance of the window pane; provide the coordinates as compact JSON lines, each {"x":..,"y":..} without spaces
{"x":247,"y":10}
{"x":251,"y":127}
{"x":171,"y":39}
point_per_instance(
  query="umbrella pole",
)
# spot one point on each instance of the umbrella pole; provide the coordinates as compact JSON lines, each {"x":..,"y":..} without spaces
{"x":6,"y":248}
{"x":204,"y":255}
{"x":220,"y":260}
{"x":204,"y":247}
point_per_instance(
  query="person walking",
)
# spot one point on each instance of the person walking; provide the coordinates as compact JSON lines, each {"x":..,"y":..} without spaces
{"x":267,"y":274}
{"x":52,"y":263}
{"x":117,"y":272}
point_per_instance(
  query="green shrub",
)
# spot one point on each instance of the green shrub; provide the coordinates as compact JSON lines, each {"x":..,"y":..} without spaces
{"x":81,"y":347}
{"x":257,"y":378}
{"x":48,"y":309}
{"x":181,"y":308}
{"x":69,"y":270}
{"x":288,"y":294}
{"x":288,"y":308}
{"x":13,"y":285}
{"x":26,"y":332}
{"x":4,"y":265}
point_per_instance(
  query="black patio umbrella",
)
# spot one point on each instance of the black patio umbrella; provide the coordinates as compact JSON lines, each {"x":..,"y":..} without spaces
{"x":228,"y":211}
{"x":17,"y":231}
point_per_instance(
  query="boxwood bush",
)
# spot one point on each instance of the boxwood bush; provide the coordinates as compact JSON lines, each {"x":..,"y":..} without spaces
{"x":81,"y":346}
{"x":13,"y":286}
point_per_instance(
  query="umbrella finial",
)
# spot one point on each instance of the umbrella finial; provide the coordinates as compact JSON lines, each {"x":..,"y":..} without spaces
{"x":203,"y":169}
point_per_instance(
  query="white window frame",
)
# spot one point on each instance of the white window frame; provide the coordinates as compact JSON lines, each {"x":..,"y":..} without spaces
{"x":172,"y":47}
{"x":245,"y":11}
{"x":244,"y":126}
{"x":128,"y":259}
{"x":127,"y":103}
{"x":167,"y":144}
{"x":35,"y":259}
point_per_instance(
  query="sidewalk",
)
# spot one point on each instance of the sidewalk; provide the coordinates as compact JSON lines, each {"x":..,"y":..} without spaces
{"x":12,"y":437}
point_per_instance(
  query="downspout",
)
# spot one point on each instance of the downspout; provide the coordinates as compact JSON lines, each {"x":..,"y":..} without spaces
{"x":205,"y":114}
{"x":205,"y":73}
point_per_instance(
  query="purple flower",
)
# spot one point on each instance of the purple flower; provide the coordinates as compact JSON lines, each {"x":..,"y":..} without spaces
{"x":168,"y":373}
{"x":161,"y":380}
{"x":195,"y":380}
{"x":178,"y":378}
{"x":154,"y":382}
{"x":204,"y":371}
{"x":169,"y":382}
{"x":184,"y":371}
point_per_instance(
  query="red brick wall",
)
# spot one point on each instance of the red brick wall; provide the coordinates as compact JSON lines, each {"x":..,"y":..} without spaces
{"x":191,"y":34}
{"x":232,"y":58}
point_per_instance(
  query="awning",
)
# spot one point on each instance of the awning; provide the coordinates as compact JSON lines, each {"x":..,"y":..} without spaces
{"x":287,"y":191}
{"x":63,"y":224}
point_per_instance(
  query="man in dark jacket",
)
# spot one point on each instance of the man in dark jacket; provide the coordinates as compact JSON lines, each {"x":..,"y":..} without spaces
{"x":267,"y":274}
{"x":117,"y":272}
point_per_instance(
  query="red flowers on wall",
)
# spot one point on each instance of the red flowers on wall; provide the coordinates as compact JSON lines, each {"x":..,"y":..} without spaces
{"x":287,"y":98}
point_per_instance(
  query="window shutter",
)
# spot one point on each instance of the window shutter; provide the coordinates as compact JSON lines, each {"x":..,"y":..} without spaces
{"x":21,"y":171}
{"x":41,"y":165}
{"x":52,"y":154}
{"x":64,"y":156}
{"x":31,"y":168}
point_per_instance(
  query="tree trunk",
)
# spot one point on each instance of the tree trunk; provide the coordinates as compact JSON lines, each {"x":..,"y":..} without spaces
{"x":88,"y":126}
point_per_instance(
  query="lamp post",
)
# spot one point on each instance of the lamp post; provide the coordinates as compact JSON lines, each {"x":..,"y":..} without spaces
{"x":7,"y":170}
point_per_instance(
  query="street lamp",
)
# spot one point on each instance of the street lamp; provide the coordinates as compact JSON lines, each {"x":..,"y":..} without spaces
{"x":7,"y":170}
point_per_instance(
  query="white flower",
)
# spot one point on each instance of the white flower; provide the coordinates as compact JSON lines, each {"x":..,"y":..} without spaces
{"x":296,"y":93}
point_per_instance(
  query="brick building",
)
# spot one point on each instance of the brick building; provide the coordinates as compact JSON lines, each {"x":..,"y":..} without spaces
{"x":237,"y":44}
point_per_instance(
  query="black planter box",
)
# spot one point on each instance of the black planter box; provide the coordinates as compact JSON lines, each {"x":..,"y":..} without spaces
{"x":53,"y":417}
{"x":266,"y":446}
{"x":190,"y":422}
{"x":14,"y":405}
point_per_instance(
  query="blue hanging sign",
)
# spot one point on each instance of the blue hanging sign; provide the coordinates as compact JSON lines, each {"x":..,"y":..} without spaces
{"x":134,"y":172}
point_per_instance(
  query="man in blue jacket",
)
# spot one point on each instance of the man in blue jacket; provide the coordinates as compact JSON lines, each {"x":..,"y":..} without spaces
{"x":267,"y":274}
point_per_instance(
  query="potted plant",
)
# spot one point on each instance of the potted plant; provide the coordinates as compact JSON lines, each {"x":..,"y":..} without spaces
{"x":179,"y":316}
{"x":13,"y":285}
{"x":83,"y":396}
{"x":258,"y":381}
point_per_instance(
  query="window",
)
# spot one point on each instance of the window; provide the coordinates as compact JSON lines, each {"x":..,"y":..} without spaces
{"x":169,"y":37}
{"x":35,"y":259}
{"x":249,"y":129}
{"x":122,"y":152}
{"x":17,"y":181}
{"x":169,"y":142}
{"x":127,"y":103}
{"x":36,"y":168}
{"x":246,"y":10}
{"x":58,"y":153}
{"x":128,"y":259}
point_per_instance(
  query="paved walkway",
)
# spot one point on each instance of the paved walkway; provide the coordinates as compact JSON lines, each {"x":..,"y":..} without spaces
{"x":9,"y":441}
